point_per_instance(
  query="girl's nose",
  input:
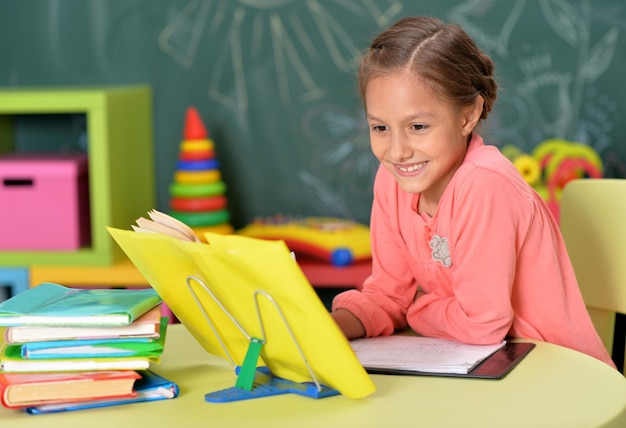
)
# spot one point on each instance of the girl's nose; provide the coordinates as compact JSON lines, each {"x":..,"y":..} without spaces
{"x":399,"y":150}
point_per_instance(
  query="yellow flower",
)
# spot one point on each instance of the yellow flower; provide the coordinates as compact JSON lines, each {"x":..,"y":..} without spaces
{"x":529,"y":167}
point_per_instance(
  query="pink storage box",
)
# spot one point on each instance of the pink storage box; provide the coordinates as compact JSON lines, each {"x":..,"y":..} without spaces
{"x":44,"y":202}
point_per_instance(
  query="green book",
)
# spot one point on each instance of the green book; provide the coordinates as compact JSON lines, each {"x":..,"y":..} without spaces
{"x":56,"y":305}
{"x":12,"y":362}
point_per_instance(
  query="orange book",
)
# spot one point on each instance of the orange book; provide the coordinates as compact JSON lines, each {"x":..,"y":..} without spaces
{"x":32,"y":389}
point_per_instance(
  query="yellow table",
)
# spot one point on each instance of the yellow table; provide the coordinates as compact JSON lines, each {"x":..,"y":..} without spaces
{"x":552,"y":387}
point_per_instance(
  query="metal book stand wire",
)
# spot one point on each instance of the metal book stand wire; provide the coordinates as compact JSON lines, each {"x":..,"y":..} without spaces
{"x":253,"y":381}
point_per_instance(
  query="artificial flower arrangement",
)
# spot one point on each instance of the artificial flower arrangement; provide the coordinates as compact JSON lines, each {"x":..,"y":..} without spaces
{"x":552,"y":164}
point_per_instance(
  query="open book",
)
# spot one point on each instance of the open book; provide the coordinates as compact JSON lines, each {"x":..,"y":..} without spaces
{"x":409,"y":354}
{"x":165,"y":224}
{"x":235,"y":292}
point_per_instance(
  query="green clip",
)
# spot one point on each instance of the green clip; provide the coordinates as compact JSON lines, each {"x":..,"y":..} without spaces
{"x":245,"y":379}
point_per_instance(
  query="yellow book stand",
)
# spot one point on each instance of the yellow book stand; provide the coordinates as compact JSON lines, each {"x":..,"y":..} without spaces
{"x":246,"y":300}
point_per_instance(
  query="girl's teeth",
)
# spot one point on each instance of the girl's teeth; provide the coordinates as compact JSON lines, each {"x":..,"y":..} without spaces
{"x":412,"y":168}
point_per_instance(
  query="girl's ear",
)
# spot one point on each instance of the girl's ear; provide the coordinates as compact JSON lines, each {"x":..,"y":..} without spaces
{"x":472,"y":114}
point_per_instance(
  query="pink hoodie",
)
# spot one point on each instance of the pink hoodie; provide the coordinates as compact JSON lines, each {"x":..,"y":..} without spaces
{"x":491,"y":263}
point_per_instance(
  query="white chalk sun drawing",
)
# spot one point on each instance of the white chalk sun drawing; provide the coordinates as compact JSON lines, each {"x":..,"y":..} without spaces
{"x":290,"y":31}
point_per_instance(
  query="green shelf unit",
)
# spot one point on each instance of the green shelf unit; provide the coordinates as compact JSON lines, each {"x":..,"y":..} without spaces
{"x":121,"y":160}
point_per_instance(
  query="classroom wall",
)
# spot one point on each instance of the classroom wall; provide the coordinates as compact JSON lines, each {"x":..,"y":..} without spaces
{"x":274,"y":81}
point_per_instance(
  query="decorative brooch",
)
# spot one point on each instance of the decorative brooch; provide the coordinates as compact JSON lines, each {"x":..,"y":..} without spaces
{"x":440,"y":250}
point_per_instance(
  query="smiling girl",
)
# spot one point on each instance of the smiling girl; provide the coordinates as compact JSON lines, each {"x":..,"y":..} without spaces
{"x":462,"y":247}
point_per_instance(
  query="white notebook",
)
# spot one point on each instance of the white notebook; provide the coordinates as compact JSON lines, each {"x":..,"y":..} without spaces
{"x":422,"y":354}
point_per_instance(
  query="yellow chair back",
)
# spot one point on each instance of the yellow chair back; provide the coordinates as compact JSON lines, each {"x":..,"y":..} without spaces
{"x":593,"y":224}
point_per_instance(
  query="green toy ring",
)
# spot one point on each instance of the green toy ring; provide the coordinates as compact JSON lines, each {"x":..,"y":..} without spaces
{"x":197,"y":190}
{"x":208,"y":218}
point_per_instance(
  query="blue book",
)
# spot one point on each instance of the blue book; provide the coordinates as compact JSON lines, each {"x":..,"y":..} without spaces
{"x":56,"y":305}
{"x":151,"y":387}
{"x":121,"y":347}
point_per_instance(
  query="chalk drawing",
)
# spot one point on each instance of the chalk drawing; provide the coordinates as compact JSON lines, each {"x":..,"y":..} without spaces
{"x":278,"y":23}
{"x":556,"y":98}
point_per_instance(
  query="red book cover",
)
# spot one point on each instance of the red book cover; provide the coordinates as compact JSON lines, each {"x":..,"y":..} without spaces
{"x":31,"y":389}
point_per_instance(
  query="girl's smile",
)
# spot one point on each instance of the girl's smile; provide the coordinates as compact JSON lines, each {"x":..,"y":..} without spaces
{"x":411,"y":169}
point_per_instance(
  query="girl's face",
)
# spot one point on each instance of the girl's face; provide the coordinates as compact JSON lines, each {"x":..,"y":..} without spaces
{"x":419,"y":138}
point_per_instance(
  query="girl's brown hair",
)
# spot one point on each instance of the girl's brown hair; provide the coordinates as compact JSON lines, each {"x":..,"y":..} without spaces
{"x":441,"y":54}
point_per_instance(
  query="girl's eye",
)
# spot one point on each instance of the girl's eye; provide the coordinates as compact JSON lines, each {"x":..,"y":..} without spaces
{"x":419,"y":127}
{"x":378,"y":128}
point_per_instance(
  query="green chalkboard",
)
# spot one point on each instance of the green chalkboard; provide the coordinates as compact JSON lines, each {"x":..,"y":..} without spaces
{"x":274,"y":81}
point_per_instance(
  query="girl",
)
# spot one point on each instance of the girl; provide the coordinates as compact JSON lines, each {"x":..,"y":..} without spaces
{"x":462,"y":247}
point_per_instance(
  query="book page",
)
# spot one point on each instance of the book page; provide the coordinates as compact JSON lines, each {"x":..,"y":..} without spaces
{"x":418,"y":353}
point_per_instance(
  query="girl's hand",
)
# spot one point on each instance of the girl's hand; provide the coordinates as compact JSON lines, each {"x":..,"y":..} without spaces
{"x":349,"y":324}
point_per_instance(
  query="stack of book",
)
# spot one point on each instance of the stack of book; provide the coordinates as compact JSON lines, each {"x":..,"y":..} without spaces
{"x":68,"y":348}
